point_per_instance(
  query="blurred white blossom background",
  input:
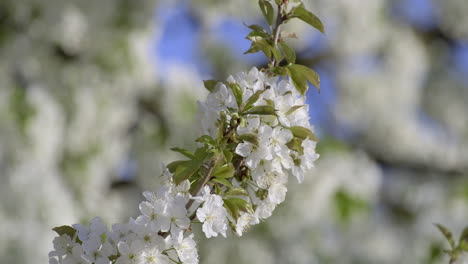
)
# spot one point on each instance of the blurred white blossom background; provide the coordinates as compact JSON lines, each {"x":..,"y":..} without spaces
{"x":94,"y":93}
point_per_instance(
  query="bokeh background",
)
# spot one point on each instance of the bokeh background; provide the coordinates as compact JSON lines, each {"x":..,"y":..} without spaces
{"x":94,"y":93}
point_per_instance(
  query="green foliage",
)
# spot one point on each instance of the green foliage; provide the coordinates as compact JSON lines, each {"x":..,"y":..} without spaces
{"x":184,"y":152}
{"x":308,"y":17}
{"x":455,"y":249}
{"x":303,"y":133}
{"x":252,"y":100}
{"x":237,"y":91}
{"x":226,"y":171}
{"x":235,"y":205}
{"x":288,"y":52}
{"x":294,"y":108}
{"x":249,"y":138}
{"x":65,"y":230}
{"x":260,"y":110}
{"x":267,"y":10}
{"x":300,"y":74}
{"x":210,"y":85}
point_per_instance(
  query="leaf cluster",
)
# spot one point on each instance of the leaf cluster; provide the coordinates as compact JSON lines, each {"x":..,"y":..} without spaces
{"x":277,"y":50}
{"x":456,"y":247}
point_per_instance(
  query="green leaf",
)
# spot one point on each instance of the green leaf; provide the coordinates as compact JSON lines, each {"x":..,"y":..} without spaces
{"x":303,"y":133}
{"x":296,"y":145}
{"x":226,"y":171}
{"x":308,"y":17}
{"x":65,"y":230}
{"x":259,"y":44}
{"x":201,"y":154}
{"x":294,"y":108}
{"x":252,"y":99}
{"x":267,"y":10}
{"x":300,"y":74}
{"x":447,"y":234}
{"x":288,"y":52}
{"x":270,"y":103}
{"x":185,"y":170}
{"x":256,"y":27}
{"x":184,"y":152}
{"x":222,"y":181}
{"x":235,"y":205}
{"x":249,"y":138}
{"x":237,"y":91}
{"x":260,"y":110}
{"x":236,"y":192}
{"x":210,"y":85}
{"x":173,"y":165}
{"x":276,"y":53}
{"x":207,"y":140}
{"x":227,"y":156}
{"x":279,"y":70}
{"x":464,"y":235}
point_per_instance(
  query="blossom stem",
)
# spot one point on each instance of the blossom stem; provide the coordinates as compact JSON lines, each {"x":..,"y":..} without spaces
{"x":205,"y":179}
{"x":277,"y":31}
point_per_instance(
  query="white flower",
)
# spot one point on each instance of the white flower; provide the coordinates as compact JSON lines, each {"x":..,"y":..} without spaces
{"x":245,"y":220}
{"x":186,"y":249}
{"x":63,"y":245}
{"x":96,"y":227}
{"x":129,"y":254}
{"x":277,"y":193}
{"x":153,"y":256}
{"x":153,"y":216}
{"x":213,"y":215}
{"x":76,"y":257}
{"x":96,"y":252}
{"x":306,"y":161}
{"x":253,"y":154}
{"x":281,"y":153}
{"x":177,"y":214}
{"x":264,"y":209}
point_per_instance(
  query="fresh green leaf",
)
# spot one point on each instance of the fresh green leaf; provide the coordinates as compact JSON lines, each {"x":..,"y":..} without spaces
{"x":65,"y":230}
{"x":185,"y":170}
{"x":260,"y":110}
{"x":259,"y":44}
{"x":308,"y":17}
{"x":184,"y":152}
{"x":270,"y":103}
{"x":256,"y":27}
{"x":173,"y":165}
{"x":276,"y":53}
{"x":227,"y":155}
{"x":249,"y":138}
{"x":210,"y":85}
{"x":237,"y":91}
{"x":226,"y":171}
{"x":207,"y":140}
{"x":464,"y":235}
{"x":447,"y":234}
{"x":303,"y":133}
{"x":222,"y":181}
{"x":235,"y":205}
{"x":294,"y":108}
{"x":296,"y":145}
{"x":252,"y":99}
{"x":300,"y":74}
{"x":267,"y":10}
{"x":288,"y":52}
{"x":279,"y":70}
{"x":201,"y":154}
{"x":236,"y":192}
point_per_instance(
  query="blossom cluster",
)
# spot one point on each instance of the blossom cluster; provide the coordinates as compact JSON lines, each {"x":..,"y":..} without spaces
{"x":256,"y":132}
